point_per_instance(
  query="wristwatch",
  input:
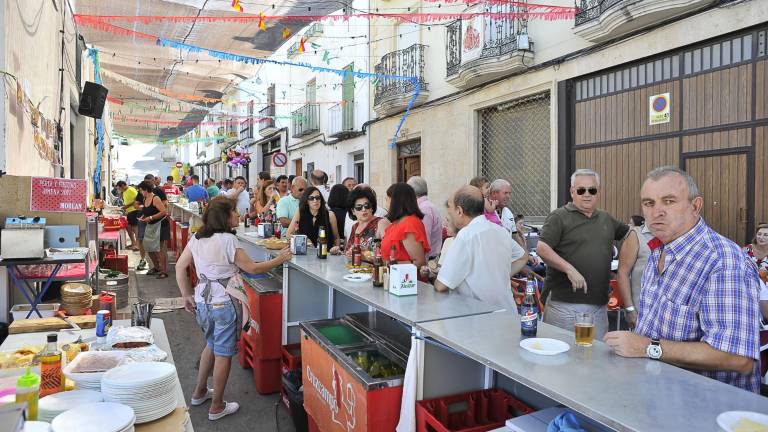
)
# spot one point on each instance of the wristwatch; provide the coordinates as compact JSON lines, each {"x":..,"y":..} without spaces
{"x":653,"y":351}
{"x":630,"y":308}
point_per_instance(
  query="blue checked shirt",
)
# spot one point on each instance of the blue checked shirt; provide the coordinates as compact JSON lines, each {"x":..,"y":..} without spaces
{"x":708,"y":292}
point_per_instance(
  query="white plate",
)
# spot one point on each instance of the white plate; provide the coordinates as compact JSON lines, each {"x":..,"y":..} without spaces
{"x":57,"y":403}
{"x":544,"y":346}
{"x":37,"y":426}
{"x":729,"y":419}
{"x":95,"y":417}
{"x":357,"y":277}
{"x":135,"y":375}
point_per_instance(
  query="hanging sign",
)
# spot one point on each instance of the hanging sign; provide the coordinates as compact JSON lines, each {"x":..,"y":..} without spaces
{"x":280,"y":159}
{"x":472,"y":38}
{"x":659,"y":109}
{"x":58,"y":195}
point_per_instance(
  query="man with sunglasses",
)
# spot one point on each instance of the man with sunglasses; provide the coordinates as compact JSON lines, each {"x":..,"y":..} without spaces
{"x":576,"y":243}
{"x":288,"y":205}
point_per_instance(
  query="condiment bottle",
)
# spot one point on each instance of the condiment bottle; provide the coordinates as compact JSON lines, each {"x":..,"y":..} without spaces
{"x":28,"y":391}
{"x":52,"y":380}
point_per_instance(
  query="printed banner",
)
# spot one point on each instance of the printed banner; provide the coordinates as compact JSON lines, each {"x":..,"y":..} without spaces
{"x":659,"y":109}
{"x":472,"y":38}
{"x":58,"y":195}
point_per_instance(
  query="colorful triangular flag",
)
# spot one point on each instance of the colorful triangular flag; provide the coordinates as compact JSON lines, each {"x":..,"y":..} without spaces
{"x":326,"y":57}
{"x":301,"y":45}
{"x":286,"y":33}
{"x":236,"y":5}
{"x":262,"y":25}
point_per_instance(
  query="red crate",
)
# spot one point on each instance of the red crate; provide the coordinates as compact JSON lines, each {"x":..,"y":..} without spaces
{"x":266,"y":375}
{"x":182,"y":237}
{"x":172,"y":242}
{"x":119,"y":263}
{"x":477,"y":411}
{"x":267,"y":312}
{"x":290,"y":360}
{"x":245,"y":351}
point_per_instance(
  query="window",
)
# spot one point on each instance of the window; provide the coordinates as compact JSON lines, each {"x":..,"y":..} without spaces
{"x":311,"y":91}
{"x":338,"y":177}
{"x":359,"y":167}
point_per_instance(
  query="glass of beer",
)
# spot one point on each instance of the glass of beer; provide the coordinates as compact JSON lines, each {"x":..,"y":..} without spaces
{"x":584,"y":329}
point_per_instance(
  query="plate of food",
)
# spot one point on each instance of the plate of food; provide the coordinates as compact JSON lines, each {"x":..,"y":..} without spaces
{"x":275,"y":244}
{"x":361,"y":269}
{"x":743,"y":421}
{"x":544,"y":346}
{"x":357,"y":277}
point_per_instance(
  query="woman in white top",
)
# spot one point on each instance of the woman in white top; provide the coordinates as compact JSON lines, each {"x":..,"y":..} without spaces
{"x":217,"y":258}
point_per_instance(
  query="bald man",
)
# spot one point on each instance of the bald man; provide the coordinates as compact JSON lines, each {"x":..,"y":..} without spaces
{"x":483,"y":256}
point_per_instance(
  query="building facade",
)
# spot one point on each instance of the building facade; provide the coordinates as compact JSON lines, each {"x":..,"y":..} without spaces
{"x":532,"y":100}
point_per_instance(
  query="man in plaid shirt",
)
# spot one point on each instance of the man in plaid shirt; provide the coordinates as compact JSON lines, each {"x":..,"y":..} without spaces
{"x":699,"y":296}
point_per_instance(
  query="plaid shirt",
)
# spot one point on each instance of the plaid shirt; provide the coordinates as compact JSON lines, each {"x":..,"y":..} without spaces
{"x":707,"y":292}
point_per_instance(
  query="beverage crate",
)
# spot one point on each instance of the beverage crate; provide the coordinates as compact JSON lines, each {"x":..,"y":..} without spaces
{"x":266,"y":375}
{"x":245,"y":349}
{"x":476,"y":411}
{"x":291,"y":357}
{"x":116,"y":262}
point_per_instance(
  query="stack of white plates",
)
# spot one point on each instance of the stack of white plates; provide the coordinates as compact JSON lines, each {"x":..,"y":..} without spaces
{"x":52,"y":405}
{"x":96,"y":417}
{"x":148,"y":388}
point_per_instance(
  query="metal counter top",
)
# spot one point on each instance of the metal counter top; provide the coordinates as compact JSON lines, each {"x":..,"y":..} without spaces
{"x":621,"y":393}
{"x":428,"y":305}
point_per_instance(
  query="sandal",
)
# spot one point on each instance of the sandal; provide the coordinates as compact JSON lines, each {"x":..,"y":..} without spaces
{"x":229,"y":408}
{"x":153,"y":271}
{"x":161,"y":275}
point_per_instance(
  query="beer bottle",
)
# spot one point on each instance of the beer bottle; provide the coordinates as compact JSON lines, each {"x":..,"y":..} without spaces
{"x":529,"y":314}
{"x":379,"y":269}
{"x":322,"y":244}
{"x":357,"y":253}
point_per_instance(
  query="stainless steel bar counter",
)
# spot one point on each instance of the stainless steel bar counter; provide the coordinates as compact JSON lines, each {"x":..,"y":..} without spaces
{"x":620,"y":393}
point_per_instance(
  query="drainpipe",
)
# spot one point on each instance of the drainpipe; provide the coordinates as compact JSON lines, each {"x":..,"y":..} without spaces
{"x":3,"y":106}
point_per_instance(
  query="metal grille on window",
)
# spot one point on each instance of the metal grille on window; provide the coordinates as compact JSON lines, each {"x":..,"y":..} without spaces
{"x":515,"y":146}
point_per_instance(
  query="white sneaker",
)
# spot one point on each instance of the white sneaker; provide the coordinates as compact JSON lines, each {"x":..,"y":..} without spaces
{"x":229,"y":408}
{"x":197,"y":402}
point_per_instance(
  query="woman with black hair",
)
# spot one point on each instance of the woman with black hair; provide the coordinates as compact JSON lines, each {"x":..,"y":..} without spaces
{"x":218,"y":297}
{"x":406,"y":233}
{"x":153,"y":216}
{"x":368,"y":226}
{"x":337,"y":202}
{"x":313,"y":214}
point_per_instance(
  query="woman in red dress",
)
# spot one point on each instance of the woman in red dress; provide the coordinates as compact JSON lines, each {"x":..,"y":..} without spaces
{"x":406,"y":233}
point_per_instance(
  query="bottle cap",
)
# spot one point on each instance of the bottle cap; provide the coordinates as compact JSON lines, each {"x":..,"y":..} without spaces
{"x":53,"y":337}
{"x":29,"y":379}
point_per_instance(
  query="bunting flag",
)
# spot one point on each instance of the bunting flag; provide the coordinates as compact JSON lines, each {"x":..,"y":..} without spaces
{"x":286,"y":33}
{"x":262,"y":24}
{"x":236,"y":6}
{"x":326,"y":57}
{"x":301,"y":45}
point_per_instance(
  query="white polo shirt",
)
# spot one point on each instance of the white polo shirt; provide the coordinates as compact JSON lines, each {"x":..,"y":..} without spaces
{"x":508,"y":220}
{"x":479,"y":262}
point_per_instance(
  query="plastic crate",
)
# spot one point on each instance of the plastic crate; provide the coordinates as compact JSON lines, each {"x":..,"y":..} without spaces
{"x":266,"y":375}
{"x":267,"y":311}
{"x":119,"y":263}
{"x":477,"y":411}
{"x":291,"y":358}
{"x":245,"y":349}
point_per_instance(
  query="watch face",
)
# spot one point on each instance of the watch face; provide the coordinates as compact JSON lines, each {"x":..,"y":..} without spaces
{"x":654,"y":352}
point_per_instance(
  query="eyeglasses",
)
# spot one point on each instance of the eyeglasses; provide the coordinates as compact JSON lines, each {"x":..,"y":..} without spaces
{"x":582,"y":191}
{"x":314,"y":198}
{"x":361,"y":207}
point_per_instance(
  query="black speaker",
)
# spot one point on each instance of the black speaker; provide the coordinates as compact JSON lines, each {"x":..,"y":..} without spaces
{"x":92,"y":100}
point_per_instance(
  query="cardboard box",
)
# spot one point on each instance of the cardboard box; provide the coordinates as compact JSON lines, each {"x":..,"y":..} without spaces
{"x":402,"y":280}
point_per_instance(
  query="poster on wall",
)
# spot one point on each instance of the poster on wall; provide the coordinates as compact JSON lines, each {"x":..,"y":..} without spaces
{"x":659,"y":109}
{"x":472,"y":38}
{"x":58,"y":195}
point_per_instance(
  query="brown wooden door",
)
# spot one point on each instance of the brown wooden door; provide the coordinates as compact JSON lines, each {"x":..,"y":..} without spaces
{"x":409,"y":166}
{"x":297,"y":167}
{"x":723,"y":184}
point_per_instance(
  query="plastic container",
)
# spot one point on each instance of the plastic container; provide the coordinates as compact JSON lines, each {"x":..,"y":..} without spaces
{"x":341,"y":334}
{"x":477,"y":411}
{"x":295,"y":398}
{"x":28,"y":391}
{"x":290,"y":360}
{"x":267,"y":311}
{"x":47,"y":310}
{"x":266,"y":375}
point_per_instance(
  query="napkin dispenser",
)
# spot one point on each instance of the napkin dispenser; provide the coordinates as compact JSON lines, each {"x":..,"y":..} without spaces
{"x":402,"y":280}
{"x":23,"y":237}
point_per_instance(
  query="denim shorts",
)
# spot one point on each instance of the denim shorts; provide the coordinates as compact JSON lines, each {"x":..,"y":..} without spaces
{"x":219,"y":324}
{"x":142,"y":227}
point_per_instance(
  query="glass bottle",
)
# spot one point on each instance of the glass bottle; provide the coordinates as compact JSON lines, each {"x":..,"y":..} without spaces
{"x":322,"y":244}
{"x":379,"y":269}
{"x":52,"y":380}
{"x":529,"y":314}
{"x":357,"y":253}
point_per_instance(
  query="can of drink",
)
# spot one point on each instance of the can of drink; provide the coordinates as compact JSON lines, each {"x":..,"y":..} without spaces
{"x":103,"y":322}
{"x":299,"y":244}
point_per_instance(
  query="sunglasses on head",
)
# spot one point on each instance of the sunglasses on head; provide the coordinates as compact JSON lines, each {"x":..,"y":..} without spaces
{"x":361,"y":207}
{"x":314,"y":198}
{"x":582,"y":191}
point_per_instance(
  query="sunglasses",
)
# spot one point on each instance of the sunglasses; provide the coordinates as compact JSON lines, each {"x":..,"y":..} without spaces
{"x":582,"y":191}
{"x":314,"y":198}
{"x":361,"y":207}
{"x":301,"y":190}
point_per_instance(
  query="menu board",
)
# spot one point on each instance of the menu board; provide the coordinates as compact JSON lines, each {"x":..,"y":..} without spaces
{"x":58,"y":195}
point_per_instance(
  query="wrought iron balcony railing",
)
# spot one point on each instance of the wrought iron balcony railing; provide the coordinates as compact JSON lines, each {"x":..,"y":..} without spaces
{"x":341,"y":118}
{"x":498,"y":36}
{"x":266,"y":118}
{"x":406,"y":62}
{"x":592,"y":9}
{"x":305,"y":120}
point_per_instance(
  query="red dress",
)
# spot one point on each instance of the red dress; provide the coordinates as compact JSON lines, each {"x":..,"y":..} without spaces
{"x":397,"y":232}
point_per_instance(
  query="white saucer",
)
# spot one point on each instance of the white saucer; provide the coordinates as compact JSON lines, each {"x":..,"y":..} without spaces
{"x":729,"y":419}
{"x":357,"y":277}
{"x":544,"y":346}
{"x":95,"y":417}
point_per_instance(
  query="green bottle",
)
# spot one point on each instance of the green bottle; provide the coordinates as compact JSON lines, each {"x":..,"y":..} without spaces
{"x":28,"y":391}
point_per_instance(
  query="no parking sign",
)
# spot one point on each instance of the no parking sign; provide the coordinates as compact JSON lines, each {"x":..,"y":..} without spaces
{"x":279,"y":159}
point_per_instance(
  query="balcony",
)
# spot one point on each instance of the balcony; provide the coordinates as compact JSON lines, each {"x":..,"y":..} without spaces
{"x":483,"y":48}
{"x":601,"y":20}
{"x":267,"y":120}
{"x":394,"y":94}
{"x":305,"y":120}
{"x":342,"y":120}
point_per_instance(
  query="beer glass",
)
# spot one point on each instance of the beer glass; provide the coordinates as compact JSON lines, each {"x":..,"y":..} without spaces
{"x":584,"y":324}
